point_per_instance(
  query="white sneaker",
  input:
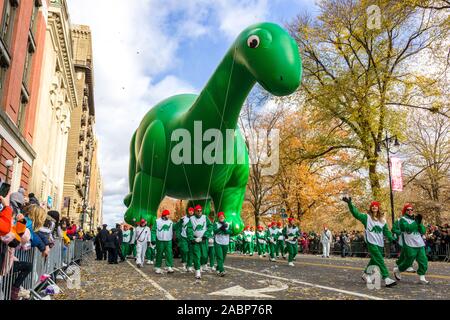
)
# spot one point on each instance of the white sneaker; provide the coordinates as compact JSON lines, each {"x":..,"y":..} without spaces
{"x":213,"y":268}
{"x":273,"y":259}
{"x":367,"y":278}
{"x":397,"y":273}
{"x":423,"y":280}
{"x":170,"y":270}
{"x":190,"y":269}
{"x":411,"y":270}
{"x":291,"y":264}
{"x":389,"y":282}
{"x":198,"y":274}
{"x":184,"y":269}
{"x":149,"y":262}
{"x":261,"y":257}
{"x":158,"y":271}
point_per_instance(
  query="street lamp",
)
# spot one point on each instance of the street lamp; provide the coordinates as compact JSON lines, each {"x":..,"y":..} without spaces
{"x":387,"y":143}
{"x":8,"y":165}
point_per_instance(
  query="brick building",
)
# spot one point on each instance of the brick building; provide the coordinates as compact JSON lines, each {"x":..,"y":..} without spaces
{"x":22,"y":37}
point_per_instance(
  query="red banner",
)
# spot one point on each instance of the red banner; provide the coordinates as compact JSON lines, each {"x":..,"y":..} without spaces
{"x":396,"y":173}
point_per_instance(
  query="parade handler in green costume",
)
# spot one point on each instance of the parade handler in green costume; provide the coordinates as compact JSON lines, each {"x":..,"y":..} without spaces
{"x":126,"y":247}
{"x":200,"y":229}
{"x":163,"y":230}
{"x":183,"y":242}
{"x":291,"y":234}
{"x":211,"y":251}
{"x":222,"y":233}
{"x":261,"y":241}
{"x":397,"y":235}
{"x":413,"y":245}
{"x":272,"y":235}
{"x":376,"y":227}
{"x":280,"y":240}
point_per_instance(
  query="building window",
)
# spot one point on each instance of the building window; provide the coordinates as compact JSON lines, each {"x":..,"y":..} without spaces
{"x":28,"y":61}
{"x":22,"y":113}
{"x":9,"y":14}
{"x":34,"y":15}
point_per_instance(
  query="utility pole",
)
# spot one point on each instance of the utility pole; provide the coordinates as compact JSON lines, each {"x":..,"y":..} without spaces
{"x":387,"y":143}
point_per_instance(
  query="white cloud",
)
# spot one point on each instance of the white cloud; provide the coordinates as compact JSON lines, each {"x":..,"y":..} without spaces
{"x":235,"y":15}
{"x":134,"y":42}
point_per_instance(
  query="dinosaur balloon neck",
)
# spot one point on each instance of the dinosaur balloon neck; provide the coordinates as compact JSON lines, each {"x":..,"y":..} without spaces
{"x":224,"y":94}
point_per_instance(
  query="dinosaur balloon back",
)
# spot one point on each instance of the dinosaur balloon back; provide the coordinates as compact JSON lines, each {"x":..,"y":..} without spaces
{"x":190,"y":147}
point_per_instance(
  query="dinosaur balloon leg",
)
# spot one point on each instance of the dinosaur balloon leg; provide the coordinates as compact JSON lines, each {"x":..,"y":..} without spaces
{"x":263,"y":53}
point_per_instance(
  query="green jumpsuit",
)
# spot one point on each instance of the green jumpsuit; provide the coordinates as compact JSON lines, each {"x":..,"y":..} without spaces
{"x":374,"y":239}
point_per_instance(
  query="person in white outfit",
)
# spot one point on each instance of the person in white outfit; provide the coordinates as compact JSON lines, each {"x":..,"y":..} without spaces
{"x":142,"y":236}
{"x":325,"y":239}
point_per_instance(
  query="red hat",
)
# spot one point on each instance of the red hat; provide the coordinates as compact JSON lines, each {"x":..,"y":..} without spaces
{"x":220,"y":214}
{"x":198,"y":207}
{"x":247,"y":227}
{"x":191,"y":209}
{"x":260,"y":227}
{"x":291,"y":219}
{"x":375,"y":204}
{"x":166,"y":213}
{"x":279,"y":223}
{"x":406,"y":206}
{"x":143,"y":220}
{"x":274,"y":223}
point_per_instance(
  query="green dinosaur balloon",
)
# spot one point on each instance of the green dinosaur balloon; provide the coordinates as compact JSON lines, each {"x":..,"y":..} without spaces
{"x":163,"y":159}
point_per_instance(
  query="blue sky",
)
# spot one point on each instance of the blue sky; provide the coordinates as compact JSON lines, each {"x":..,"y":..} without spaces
{"x":148,"y":50}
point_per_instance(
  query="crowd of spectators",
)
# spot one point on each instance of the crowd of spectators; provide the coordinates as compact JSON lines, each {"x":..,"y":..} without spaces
{"x":25,"y":224}
{"x":352,"y":243}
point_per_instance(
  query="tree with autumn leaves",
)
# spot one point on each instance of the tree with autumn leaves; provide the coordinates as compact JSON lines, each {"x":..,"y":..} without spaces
{"x":364,"y":75}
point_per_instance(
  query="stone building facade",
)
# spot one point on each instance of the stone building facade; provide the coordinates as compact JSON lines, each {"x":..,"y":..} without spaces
{"x":57,"y":100}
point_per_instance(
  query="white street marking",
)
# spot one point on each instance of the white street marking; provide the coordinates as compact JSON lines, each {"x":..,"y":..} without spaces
{"x":238,"y":291}
{"x":157,"y":286}
{"x":357,"y":294}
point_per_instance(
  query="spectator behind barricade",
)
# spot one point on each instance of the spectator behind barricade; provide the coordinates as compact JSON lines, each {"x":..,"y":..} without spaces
{"x":5,"y":219}
{"x":62,"y":231}
{"x":54,"y":215}
{"x":36,"y":216}
{"x":18,"y":237}
{"x":32,"y":199}
{"x":71,"y":230}
{"x":17,"y":200}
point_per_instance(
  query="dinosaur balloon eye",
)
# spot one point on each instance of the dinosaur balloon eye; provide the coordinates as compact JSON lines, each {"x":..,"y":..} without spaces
{"x":253,"y":42}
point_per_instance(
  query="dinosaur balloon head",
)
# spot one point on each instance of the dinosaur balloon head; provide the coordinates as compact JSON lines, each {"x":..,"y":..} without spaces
{"x":271,"y":55}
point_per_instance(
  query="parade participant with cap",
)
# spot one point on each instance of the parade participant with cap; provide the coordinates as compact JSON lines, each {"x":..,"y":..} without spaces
{"x":413,"y":245}
{"x":273,"y":234}
{"x":397,"y":235}
{"x":280,"y":241}
{"x":232,"y":245}
{"x":199,"y":230}
{"x":163,"y":231}
{"x":142,"y":238}
{"x":222,"y":233}
{"x":291,"y":234}
{"x":325,"y":239}
{"x":183,"y":242}
{"x":240,"y":242}
{"x":150,"y":254}
{"x":211,"y":250}
{"x":261,"y":241}
{"x":126,"y":248}
{"x":376,"y":226}
{"x":248,"y":241}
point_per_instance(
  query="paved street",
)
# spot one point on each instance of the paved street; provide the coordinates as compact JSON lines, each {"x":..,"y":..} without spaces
{"x":254,"y":278}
